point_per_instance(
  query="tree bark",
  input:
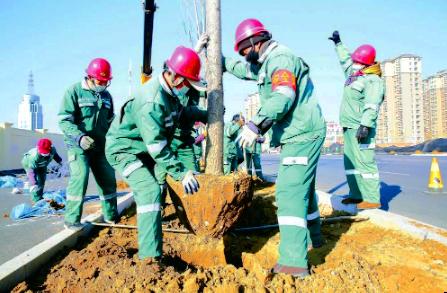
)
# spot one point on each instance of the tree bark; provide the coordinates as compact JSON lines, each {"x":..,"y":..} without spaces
{"x":214,"y":154}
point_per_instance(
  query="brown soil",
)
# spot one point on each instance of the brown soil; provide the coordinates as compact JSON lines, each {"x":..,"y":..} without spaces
{"x":121,"y":185}
{"x":357,"y":257}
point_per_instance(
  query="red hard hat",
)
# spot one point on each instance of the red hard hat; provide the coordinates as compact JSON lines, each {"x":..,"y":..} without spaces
{"x":100,"y":69}
{"x":246,"y":29}
{"x":365,"y":54}
{"x":44,"y":146}
{"x":185,"y":62}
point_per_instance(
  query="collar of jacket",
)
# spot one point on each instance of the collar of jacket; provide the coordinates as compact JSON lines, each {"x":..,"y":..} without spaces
{"x":164,"y":85}
{"x":373,"y":69}
{"x":84,"y":84}
{"x":266,"y":49}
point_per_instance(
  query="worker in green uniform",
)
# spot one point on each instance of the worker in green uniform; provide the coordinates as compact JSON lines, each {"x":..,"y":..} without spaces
{"x":182,"y":144}
{"x":253,"y":155}
{"x":84,"y":118}
{"x":290,"y":109}
{"x":232,"y":152}
{"x":363,"y":94}
{"x":141,"y":137}
{"x":35,"y":163}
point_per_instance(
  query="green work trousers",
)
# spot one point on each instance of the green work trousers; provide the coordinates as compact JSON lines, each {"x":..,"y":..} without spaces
{"x":80,"y":163}
{"x":230,"y":163}
{"x":40,"y":175}
{"x":138,"y":172}
{"x":361,"y":169}
{"x":298,"y":214}
{"x":254,"y":158}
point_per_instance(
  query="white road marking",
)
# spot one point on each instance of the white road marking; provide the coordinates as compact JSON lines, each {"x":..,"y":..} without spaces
{"x":393,"y":173}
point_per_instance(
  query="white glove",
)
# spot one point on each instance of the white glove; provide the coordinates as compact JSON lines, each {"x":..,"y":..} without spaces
{"x":201,"y":42}
{"x":190,"y":183}
{"x":87,"y":143}
{"x":34,"y":188}
{"x":247,"y":136}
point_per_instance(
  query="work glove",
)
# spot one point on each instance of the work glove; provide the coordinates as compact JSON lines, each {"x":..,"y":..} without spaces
{"x":202,"y":42}
{"x":86,"y":143}
{"x":190,"y":183}
{"x":335,"y":37}
{"x":362,"y":133}
{"x":248,"y":135}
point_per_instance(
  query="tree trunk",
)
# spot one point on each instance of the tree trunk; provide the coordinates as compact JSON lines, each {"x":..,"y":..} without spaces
{"x":214,"y":156}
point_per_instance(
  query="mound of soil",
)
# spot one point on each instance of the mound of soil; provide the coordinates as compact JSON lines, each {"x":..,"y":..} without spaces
{"x":357,"y":257}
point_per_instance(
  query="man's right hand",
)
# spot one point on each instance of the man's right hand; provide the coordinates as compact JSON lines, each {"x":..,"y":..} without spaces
{"x":87,"y":143}
{"x":335,"y":37}
{"x":190,"y":183}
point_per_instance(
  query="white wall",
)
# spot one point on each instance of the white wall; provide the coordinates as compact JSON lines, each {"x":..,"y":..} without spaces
{"x":15,"y":142}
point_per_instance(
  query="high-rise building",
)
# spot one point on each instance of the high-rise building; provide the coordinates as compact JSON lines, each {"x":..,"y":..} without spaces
{"x":30,"y":110}
{"x":435,"y":105}
{"x":252,"y":105}
{"x":334,"y":133}
{"x":401,"y":117}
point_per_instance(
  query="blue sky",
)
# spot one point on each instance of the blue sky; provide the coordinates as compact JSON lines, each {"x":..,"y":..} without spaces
{"x":57,"y":39}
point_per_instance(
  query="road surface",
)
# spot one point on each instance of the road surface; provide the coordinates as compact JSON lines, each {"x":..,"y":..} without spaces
{"x":403,"y":184}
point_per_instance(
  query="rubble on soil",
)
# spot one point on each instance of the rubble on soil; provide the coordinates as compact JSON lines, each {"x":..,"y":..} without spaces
{"x":357,"y":257}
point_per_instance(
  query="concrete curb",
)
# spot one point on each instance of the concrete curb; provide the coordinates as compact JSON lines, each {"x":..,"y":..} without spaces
{"x":388,"y":220}
{"x":24,"y":265}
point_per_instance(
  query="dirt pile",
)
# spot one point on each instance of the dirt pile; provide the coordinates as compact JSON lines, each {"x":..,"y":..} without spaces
{"x":357,"y":257}
{"x":217,"y":205}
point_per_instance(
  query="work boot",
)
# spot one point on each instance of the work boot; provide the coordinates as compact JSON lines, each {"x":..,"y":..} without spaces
{"x":296,"y":272}
{"x":351,"y":200}
{"x":74,"y":226}
{"x":365,"y":205}
{"x":155,"y":264}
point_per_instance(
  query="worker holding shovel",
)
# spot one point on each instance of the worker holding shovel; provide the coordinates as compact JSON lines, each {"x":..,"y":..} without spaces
{"x":289,"y":107}
{"x":35,"y":163}
{"x":363,"y":94}
{"x":141,"y":137}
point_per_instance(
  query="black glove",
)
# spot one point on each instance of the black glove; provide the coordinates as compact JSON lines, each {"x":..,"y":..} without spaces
{"x":362,"y":133}
{"x":335,"y":37}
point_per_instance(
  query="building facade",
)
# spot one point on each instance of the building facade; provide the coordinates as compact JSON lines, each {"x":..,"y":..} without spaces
{"x":435,"y":102}
{"x":30,"y":114}
{"x":334,"y":133}
{"x":252,"y":105}
{"x":401,"y":117}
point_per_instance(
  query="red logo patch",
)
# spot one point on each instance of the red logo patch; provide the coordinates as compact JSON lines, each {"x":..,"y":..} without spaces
{"x":283,"y":77}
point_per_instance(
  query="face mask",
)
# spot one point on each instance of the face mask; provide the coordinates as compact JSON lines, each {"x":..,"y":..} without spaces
{"x":357,"y":66}
{"x":99,"y":88}
{"x":180,"y":92}
{"x":95,"y":87}
{"x":252,"y":56}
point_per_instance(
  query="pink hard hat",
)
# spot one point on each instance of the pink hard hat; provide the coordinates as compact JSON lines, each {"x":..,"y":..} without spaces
{"x":365,"y":54}
{"x":185,"y":62}
{"x":100,"y":69}
{"x":44,"y":146}
{"x":247,"y":29}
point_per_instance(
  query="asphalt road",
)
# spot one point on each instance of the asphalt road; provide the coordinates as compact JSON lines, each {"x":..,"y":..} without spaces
{"x":403,"y":185}
{"x":19,"y":236}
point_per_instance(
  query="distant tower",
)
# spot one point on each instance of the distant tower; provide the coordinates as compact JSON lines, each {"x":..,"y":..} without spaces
{"x":129,"y":72}
{"x":30,"y":111}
